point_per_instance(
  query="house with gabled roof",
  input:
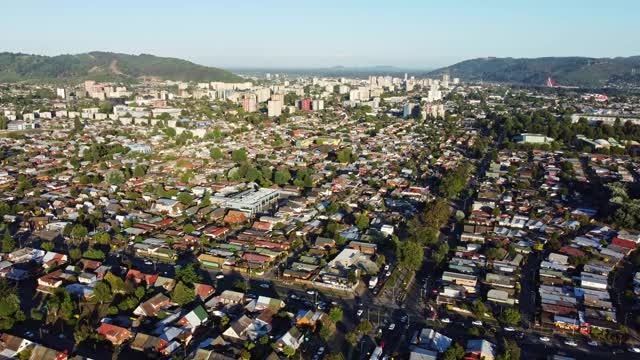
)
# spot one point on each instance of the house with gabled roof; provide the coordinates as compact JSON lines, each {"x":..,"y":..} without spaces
{"x":194,"y":318}
{"x":138,"y":277}
{"x":242,"y":329}
{"x":153,"y":306}
{"x":49,"y":282}
{"x":144,"y":342}
{"x":115,"y":334}
{"x":11,"y":345}
{"x":292,"y":338}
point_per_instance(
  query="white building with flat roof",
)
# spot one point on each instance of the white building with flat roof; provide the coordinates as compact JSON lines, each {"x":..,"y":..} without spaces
{"x":250,"y":201}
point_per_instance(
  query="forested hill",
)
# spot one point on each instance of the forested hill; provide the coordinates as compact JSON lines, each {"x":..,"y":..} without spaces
{"x":105,"y":66}
{"x":566,"y":71}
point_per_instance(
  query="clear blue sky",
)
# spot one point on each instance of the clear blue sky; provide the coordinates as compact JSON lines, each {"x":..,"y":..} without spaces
{"x":311,"y":33}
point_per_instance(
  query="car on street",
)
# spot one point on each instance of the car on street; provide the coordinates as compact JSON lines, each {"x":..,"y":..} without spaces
{"x":545,"y":339}
{"x":634,"y":349}
{"x":477,"y":323}
{"x":359,"y":312}
{"x":570,"y":343}
{"x":388,"y":274}
{"x":293,"y":296}
{"x":311,"y":292}
{"x":392,"y":327}
{"x":29,"y":334}
{"x":404,"y":319}
{"x":264,"y":285}
{"x":147,"y":262}
{"x":386,"y":267}
{"x":219,"y":276}
{"x":593,"y":343}
{"x":446,"y":320}
{"x":320,"y":350}
{"x":509,"y":329}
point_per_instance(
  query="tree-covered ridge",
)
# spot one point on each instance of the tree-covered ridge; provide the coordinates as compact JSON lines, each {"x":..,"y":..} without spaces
{"x":105,"y":66}
{"x":568,"y":71}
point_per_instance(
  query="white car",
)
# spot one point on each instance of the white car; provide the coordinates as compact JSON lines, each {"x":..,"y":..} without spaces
{"x":545,"y":339}
{"x":359,"y":312}
{"x":386,"y":267}
{"x":320,"y":350}
{"x":593,"y":343}
{"x":570,"y":343}
{"x":392,"y":326}
{"x":477,"y":323}
{"x":388,"y":274}
{"x":219,"y":276}
{"x":294,"y":296}
{"x":445,"y":320}
{"x":147,"y":262}
{"x":634,"y":349}
{"x":264,"y":285}
{"x":509,"y":329}
{"x":311,"y":292}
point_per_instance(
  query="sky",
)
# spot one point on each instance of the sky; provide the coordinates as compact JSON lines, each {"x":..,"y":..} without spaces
{"x":324,"y":33}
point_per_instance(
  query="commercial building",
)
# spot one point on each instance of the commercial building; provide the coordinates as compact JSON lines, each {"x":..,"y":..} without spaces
{"x":249,"y":201}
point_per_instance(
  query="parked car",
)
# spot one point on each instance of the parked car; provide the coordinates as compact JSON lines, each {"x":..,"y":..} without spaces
{"x":593,"y":343}
{"x":634,"y":349}
{"x":445,"y":320}
{"x":392,"y":326}
{"x":359,"y":312}
{"x":545,"y":339}
{"x":509,"y":329}
{"x":386,"y":267}
{"x":477,"y":323}
{"x":220,"y":276}
{"x":570,"y":343}
{"x":311,"y":292}
{"x":264,"y":285}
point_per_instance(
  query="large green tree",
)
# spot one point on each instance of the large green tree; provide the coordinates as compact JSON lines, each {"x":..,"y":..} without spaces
{"x":183,"y":294}
{"x":8,"y":244}
{"x":411,"y":255}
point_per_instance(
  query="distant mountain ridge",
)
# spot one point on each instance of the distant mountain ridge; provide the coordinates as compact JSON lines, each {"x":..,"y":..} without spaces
{"x":105,"y":66}
{"x":569,"y":71}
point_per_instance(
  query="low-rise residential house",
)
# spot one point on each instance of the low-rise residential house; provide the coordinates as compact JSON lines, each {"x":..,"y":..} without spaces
{"x":153,"y":306}
{"x":242,"y":329}
{"x":11,"y":346}
{"x":480,"y":350}
{"x":115,"y":334}
{"x":292,"y":338}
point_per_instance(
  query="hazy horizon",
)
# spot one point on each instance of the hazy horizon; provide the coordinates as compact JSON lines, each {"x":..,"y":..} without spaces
{"x":251,"y":34}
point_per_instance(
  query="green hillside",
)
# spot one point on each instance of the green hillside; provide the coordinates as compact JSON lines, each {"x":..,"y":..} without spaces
{"x":568,"y":71}
{"x":105,"y":66}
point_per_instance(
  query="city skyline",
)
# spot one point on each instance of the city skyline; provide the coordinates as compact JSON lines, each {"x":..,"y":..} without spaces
{"x":409,"y":34}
